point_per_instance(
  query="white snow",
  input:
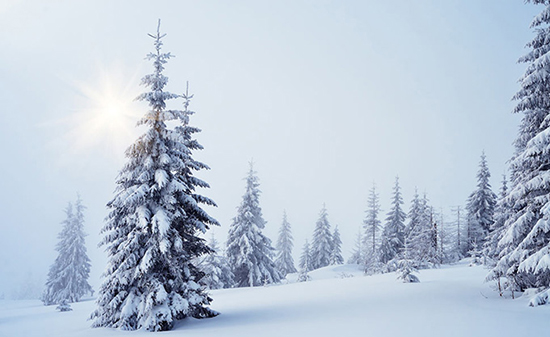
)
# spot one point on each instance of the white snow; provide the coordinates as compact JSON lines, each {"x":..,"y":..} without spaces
{"x":450,"y":301}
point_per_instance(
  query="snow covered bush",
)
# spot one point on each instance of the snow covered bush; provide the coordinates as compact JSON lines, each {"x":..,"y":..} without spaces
{"x":64,"y":306}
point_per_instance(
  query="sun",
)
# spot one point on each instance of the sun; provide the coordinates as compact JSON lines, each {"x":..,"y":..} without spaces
{"x":106,"y":115}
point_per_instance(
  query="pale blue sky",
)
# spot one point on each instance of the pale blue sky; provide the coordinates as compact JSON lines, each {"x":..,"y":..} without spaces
{"x":326,"y":96}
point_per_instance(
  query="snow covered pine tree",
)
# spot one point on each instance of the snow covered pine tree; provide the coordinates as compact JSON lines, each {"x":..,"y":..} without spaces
{"x":305,"y":258}
{"x":249,"y":252}
{"x":420,"y":233}
{"x":502,"y":213}
{"x":305,"y":263}
{"x":357,"y":253}
{"x":336,"y":252}
{"x":284,"y":260}
{"x":525,"y":245}
{"x":371,"y":225}
{"x":151,"y":232}
{"x":393,"y":235}
{"x":68,"y":276}
{"x":480,"y":207}
{"x":321,"y":246}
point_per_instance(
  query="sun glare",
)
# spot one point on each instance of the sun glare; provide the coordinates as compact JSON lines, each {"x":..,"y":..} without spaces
{"x":107,"y":117}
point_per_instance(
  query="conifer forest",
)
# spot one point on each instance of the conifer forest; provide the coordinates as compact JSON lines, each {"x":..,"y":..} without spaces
{"x":275,"y":168}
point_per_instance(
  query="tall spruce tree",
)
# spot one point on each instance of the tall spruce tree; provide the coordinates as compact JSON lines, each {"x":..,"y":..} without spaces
{"x":284,"y":260}
{"x":336,"y":253}
{"x":249,"y":252}
{"x":393,"y":235}
{"x":480,"y":207}
{"x":321,"y":247}
{"x":68,"y":276}
{"x":371,"y":225}
{"x":152,"y":230}
{"x":524,"y":249}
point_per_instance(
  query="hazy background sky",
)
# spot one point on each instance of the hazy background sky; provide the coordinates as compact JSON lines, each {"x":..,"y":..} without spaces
{"x":327,"y":97}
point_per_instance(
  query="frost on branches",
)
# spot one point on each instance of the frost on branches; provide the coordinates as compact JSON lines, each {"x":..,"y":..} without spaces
{"x":249,"y":252}
{"x":152,"y":231}
{"x":284,"y":260}
{"x":68,"y":276}
{"x":524,"y":257}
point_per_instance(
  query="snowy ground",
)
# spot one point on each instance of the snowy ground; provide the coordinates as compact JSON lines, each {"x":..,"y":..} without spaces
{"x":451,"y":301}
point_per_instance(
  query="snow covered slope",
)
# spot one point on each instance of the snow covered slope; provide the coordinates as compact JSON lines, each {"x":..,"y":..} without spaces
{"x":451,"y":301}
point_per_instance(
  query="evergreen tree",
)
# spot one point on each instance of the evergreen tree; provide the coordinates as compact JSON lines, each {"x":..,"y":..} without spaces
{"x":152,"y":230}
{"x":249,"y":252}
{"x":305,"y":259}
{"x":422,"y":233}
{"x":524,"y":246}
{"x":393,"y":235}
{"x":305,"y":264}
{"x":68,"y":276}
{"x":284,"y":260}
{"x":336,"y":253}
{"x":357,"y":253}
{"x":434,"y":255}
{"x":459,"y":250}
{"x":217,"y":272}
{"x":406,"y":266}
{"x":480,"y":207}
{"x":321,"y":247}
{"x":502,"y":213}
{"x":371,"y":225}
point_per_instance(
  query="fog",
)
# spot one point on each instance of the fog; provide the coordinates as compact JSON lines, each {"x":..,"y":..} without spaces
{"x":326,"y":97}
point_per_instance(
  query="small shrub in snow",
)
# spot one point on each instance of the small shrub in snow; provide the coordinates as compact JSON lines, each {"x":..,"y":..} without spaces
{"x":405,"y":272}
{"x":345,"y":275}
{"x":64,"y":306}
{"x":303,"y":276}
